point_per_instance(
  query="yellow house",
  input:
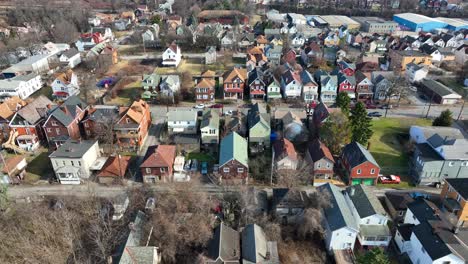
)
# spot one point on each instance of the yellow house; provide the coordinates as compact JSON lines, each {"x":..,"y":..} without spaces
{"x":400,"y":58}
{"x":455,"y":196}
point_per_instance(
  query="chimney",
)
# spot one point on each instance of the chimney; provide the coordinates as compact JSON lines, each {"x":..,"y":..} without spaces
{"x":352,"y":191}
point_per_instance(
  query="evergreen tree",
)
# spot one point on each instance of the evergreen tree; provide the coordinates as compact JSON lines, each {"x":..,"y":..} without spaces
{"x":361,"y":127}
{"x":335,"y":132}
{"x":373,"y":256}
{"x":444,"y":119}
{"x":343,"y":101}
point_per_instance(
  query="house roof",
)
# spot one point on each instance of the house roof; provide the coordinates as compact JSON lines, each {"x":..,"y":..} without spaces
{"x":224,"y":244}
{"x":182,"y":115}
{"x":399,"y":200}
{"x":241,"y":73}
{"x":65,"y":77}
{"x":9,"y":165}
{"x":206,"y":83}
{"x":318,"y":151}
{"x":427,"y":153}
{"x":35,"y":110}
{"x":326,"y":79}
{"x":10,"y":105}
{"x":289,"y":76}
{"x":159,"y":156}
{"x":356,"y":154}
{"x":210,"y":118}
{"x":321,"y":112}
{"x":137,"y":111}
{"x":338,"y":214}
{"x":431,"y":241}
{"x":284,"y":148}
{"x":73,"y":149}
{"x":285,"y":197}
{"x":447,"y":133}
{"x":70,"y":53}
{"x":307,"y":78}
{"x":256,"y":116}
{"x":66,"y":112}
{"x":233,"y":146}
{"x":254,"y":244}
{"x":138,"y":254}
{"x":102,"y":113}
{"x":423,"y":210}
{"x":460,"y":185}
{"x":438,"y":87}
{"x":405,"y":230}
{"x":115,"y":167}
{"x":360,"y":76}
{"x":365,"y":201}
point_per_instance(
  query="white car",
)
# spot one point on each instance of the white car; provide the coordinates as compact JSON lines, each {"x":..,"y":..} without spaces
{"x":199,"y":106}
{"x":229,"y":113}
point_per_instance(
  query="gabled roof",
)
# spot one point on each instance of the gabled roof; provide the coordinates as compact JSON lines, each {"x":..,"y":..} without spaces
{"x":210,"y":118}
{"x":102,"y":113}
{"x":360,"y":77}
{"x":356,"y":154}
{"x":365,"y":202}
{"x":206,"y":83}
{"x":284,"y":148}
{"x":423,"y":210}
{"x":321,"y":113}
{"x":70,"y":53}
{"x":398,"y":200}
{"x":254,"y":244}
{"x":233,"y":147}
{"x":254,"y":75}
{"x":159,"y":156}
{"x":115,"y":167}
{"x":181,"y":115}
{"x":73,"y":149}
{"x":35,"y":110}
{"x":10,"y":105}
{"x":460,"y":185}
{"x":65,"y":77}
{"x":438,"y":87}
{"x":224,"y":244}
{"x":289,"y":76}
{"x":318,"y":151}
{"x":137,"y":111}
{"x":284,"y":197}
{"x":428,"y":49}
{"x":307,"y":78}
{"x":343,"y":77}
{"x":240,"y":73}
{"x":338,"y":214}
{"x":328,"y":80}
{"x":430,"y":238}
{"x":66,"y":112}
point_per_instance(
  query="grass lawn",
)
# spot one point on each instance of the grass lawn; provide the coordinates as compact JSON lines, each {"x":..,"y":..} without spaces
{"x":201,"y":157}
{"x":39,"y":167}
{"x":388,"y":145}
{"x":46,"y":91}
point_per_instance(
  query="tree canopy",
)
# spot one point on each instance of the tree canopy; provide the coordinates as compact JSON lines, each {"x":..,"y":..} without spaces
{"x":335,"y":132}
{"x":444,"y":119}
{"x":373,"y":256}
{"x":361,"y":127}
{"x":342,"y":101}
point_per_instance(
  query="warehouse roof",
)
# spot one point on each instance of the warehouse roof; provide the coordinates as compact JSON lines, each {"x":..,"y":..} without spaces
{"x":417,"y":18}
{"x":438,"y":88}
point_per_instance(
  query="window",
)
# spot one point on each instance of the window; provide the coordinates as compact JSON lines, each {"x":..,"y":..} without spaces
{"x":79,"y":163}
{"x":49,"y":130}
{"x":372,"y":171}
{"x":319,"y":166}
{"x":148,"y":170}
{"x":240,"y":170}
{"x":359,"y":171}
{"x":350,"y":234}
{"x":163,"y":169}
{"x":57,"y":131}
{"x":368,"y":221}
{"x":226,"y":169}
{"x":86,"y":124}
{"x":400,"y":213}
{"x":465,"y":163}
{"x":54,"y":123}
{"x":63,"y":162}
{"x":458,"y":198}
{"x":72,"y":163}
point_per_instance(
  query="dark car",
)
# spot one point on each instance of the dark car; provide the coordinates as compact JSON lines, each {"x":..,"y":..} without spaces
{"x":217,"y":106}
{"x":423,"y":97}
{"x":386,"y":106}
{"x":374,"y":114}
{"x":371,"y":106}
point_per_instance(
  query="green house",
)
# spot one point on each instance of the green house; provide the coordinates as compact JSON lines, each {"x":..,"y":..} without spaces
{"x":259,"y":128}
{"x":150,"y":81}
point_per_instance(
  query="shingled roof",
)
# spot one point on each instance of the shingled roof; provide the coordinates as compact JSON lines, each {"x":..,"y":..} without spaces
{"x":356,"y":154}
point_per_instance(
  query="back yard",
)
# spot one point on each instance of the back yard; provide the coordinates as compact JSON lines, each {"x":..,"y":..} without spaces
{"x":389,"y":144}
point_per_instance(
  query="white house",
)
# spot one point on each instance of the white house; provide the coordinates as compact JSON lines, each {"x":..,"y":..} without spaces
{"x":36,"y":63}
{"x":297,"y":19}
{"x":73,"y":160}
{"x":71,"y":58}
{"x":65,"y":85}
{"x":298,"y":40}
{"x":415,"y":72}
{"x":420,"y":134}
{"x":273,"y":90}
{"x":169,"y":85}
{"x":369,"y":215}
{"x":105,"y":32}
{"x":340,"y":226}
{"x":94,"y":21}
{"x":22,"y":86}
{"x":182,"y":122}
{"x":291,"y":84}
{"x":56,"y":48}
{"x":209,"y":127}
{"x":309,"y":87}
{"x":172,"y":56}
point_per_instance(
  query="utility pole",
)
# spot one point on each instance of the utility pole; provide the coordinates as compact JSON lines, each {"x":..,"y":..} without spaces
{"x":463,"y":105}
{"x":430,"y":104}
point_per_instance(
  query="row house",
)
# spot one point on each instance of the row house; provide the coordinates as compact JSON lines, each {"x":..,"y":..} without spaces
{"x":285,"y":155}
{"x":70,"y":58}
{"x":158,"y":164}
{"x":291,"y":84}
{"x":182,"y":122}
{"x":259,"y":130}
{"x":347,"y":84}
{"x":364,"y":87}
{"x":63,"y":121}
{"x":328,"y":88}
{"x":274,"y":90}
{"x":99,"y":122}
{"x":132,"y":127}
{"x":255,"y":58}
{"x":65,"y":85}
{"x":233,"y":158}
{"x":234,"y":84}
{"x":347,"y":68}
{"x":321,"y":162}
{"x":257,"y":84}
{"x":209,"y":127}
{"x":309,"y":87}
{"x":205,"y":88}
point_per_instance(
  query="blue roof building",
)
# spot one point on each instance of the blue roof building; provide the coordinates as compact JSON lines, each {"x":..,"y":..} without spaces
{"x":416,"y":22}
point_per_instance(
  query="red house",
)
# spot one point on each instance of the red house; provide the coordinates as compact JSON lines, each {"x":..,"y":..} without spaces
{"x":234,"y":84}
{"x":347,"y":84}
{"x":205,"y":88}
{"x":359,"y":165}
{"x":347,"y":68}
{"x":158,"y":164}
{"x":63,"y":121}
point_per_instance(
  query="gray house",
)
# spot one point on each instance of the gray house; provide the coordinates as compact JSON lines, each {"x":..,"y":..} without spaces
{"x":288,"y":205}
{"x":256,"y":248}
{"x":258,"y":121}
{"x":182,"y":122}
{"x":439,"y":158}
{"x":224,"y":247}
{"x":209,"y":127}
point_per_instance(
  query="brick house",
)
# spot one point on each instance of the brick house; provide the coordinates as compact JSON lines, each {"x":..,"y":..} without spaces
{"x":63,"y":121}
{"x":158,"y":164}
{"x":27,"y":123}
{"x":321,"y":162}
{"x":205,"y":88}
{"x":99,"y":121}
{"x":359,"y":165}
{"x":233,"y":158}
{"x":132,"y":127}
{"x":234,"y":84}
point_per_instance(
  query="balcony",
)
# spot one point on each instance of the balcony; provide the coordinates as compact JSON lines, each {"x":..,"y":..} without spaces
{"x":374,"y":235}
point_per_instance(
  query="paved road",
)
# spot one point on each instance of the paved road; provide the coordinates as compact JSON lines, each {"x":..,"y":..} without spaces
{"x":153,"y":55}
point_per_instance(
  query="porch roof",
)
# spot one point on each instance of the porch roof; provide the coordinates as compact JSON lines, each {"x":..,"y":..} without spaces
{"x":374,"y":230}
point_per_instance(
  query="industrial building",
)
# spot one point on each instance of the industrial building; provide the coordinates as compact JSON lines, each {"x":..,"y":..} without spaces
{"x":376,"y":25}
{"x":454,"y":23}
{"x":439,"y":93}
{"x":416,"y":22}
{"x":338,"y":21}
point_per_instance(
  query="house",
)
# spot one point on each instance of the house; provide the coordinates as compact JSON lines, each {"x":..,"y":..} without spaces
{"x":320,"y":115}
{"x":397,"y":203}
{"x":419,"y":134}
{"x":320,"y":161}
{"x":359,"y":165}
{"x":34,"y":64}
{"x":7,"y":110}
{"x":209,"y":127}
{"x":347,"y":84}
{"x":233,"y":158}
{"x":415,"y":73}
{"x":182,"y":122}
{"x":400,"y":58}
{"x":291,"y":84}
{"x":105,"y":32}
{"x":228,"y":39}
{"x":461,"y":54}
{"x":273,"y":54}
{"x":297,"y":40}
{"x":311,"y":54}
{"x":224,"y":247}
{"x":235,"y":123}
{"x":288,"y":205}
{"x":340,"y":227}
{"x":378,"y":46}
{"x":99,"y":122}
{"x":256,"y":248}
{"x":273,"y":90}
{"x":382,"y":88}
{"x":256,"y":84}
{"x":106,"y":54}
{"x":369,"y":215}
{"x":438,"y":92}
{"x":14,"y":169}
{"x":169,"y":85}
{"x":346,"y":68}
{"x":309,"y":87}
{"x":255,"y":58}
{"x":26,"y":124}
{"x":63,"y":121}
{"x":455,"y":198}
{"x":364,"y":87}
{"x":172,"y":56}
{"x":234,"y":83}
{"x":328,"y":88}
{"x":72,"y":160}
{"x":132,"y":128}
{"x":285,"y":156}
{"x":114,"y":170}
{"x":211,"y":55}
{"x":71,"y":58}
{"x":65,"y":85}
{"x":293,"y":127}
{"x":158,"y":164}
{"x":205,"y":88}
{"x":88,"y":40}
{"x":22,"y":86}
{"x":331,"y":40}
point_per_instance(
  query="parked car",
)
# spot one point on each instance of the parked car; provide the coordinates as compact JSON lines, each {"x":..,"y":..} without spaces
{"x":389,"y":179}
{"x":229,"y":113}
{"x":217,"y":106}
{"x":199,"y":106}
{"x":204,"y":167}
{"x":194,"y":166}
{"x":371,"y":106}
{"x":187,"y":165}
{"x":423,"y":97}
{"x":374,"y":114}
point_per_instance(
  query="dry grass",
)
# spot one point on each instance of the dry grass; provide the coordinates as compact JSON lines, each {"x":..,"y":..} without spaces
{"x":305,"y":251}
{"x":128,"y":68}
